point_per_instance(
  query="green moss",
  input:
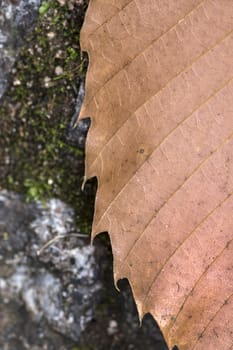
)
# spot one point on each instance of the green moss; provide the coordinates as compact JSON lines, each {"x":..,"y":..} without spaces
{"x":45,"y":6}
{"x":36,"y":112}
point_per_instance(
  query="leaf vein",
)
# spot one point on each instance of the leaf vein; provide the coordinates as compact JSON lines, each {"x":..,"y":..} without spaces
{"x":144,"y":49}
{"x":206,"y":328}
{"x":178,"y":189}
{"x":214,"y":94}
{"x":185,"y":240}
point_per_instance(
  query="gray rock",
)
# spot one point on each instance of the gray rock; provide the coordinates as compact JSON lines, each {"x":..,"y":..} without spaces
{"x":77,"y":131}
{"x":16,"y":19}
{"x":46,"y":265}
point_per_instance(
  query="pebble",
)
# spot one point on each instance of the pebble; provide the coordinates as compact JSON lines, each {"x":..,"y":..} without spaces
{"x":62,"y":2}
{"x":51,"y":35}
{"x":58,"y":70}
{"x":16,"y":82}
{"x":112,"y":327}
{"x":47,"y":80}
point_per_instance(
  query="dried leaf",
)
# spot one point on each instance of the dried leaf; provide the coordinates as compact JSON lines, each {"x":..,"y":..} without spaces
{"x":160,"y":95}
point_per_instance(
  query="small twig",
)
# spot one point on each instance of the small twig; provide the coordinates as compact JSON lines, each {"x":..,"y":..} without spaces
{"x":56,"y":238}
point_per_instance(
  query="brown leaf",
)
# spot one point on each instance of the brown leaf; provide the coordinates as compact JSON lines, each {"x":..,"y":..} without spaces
{"x":160,"y":95}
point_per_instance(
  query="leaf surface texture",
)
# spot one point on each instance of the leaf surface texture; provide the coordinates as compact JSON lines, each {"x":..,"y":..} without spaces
{"x":159,"y":91}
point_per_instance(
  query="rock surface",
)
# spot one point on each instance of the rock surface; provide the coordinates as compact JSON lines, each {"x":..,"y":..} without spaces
{"x":16,"y":20}
{"x":58,"y":283}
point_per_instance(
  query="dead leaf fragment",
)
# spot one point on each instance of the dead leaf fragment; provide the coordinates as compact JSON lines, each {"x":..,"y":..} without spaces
{"x":159,"y":91}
